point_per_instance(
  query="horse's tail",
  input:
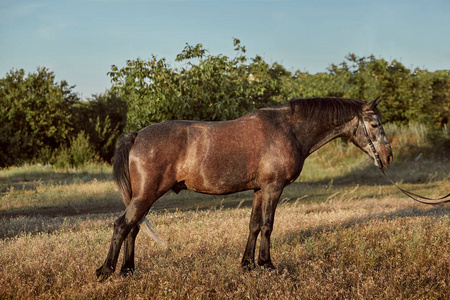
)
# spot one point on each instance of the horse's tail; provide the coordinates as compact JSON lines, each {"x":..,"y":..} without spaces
{"x":121,"y":172}
{"x":145,"y":225}
{"x":121,"y":169}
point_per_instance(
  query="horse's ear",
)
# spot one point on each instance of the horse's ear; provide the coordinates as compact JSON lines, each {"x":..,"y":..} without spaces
{"x":372,"y":104}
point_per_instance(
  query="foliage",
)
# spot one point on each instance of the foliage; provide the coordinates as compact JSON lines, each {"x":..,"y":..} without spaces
{"x":35,"y":112}
{"x":40,"y":119}
{"x":103,"y":119}
{"x":80,"y":151}
{"x":408,"y":95}
{"x":206,"y":87}
{"x":40,"y":116}
{"x":77,"y":154}
{"x":209,"y":87}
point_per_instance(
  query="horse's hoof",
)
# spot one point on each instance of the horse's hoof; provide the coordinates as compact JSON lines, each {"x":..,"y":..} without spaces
{"x":267,"y":265}
{"x":248,"y":265}
{"x":125,"y":272}
{"x":103,"y":273}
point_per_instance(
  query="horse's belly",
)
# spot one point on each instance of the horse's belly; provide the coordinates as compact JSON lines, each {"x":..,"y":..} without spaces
{"x":223,"y":177}
{"x":219,"y":187}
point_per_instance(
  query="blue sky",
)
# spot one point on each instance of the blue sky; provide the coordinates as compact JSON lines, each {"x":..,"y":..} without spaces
{"x":80,"y":40}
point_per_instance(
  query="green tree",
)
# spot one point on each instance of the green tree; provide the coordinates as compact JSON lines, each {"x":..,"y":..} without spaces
{"x":205,"y":87}
{"x":438,"y":85}
{"x":35,"y":113}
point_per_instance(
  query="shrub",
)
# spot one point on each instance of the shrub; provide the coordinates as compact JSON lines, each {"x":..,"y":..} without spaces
{"x":78,"y":154}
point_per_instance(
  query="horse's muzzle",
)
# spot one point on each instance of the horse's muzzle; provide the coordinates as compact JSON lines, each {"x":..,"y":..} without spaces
{"x":386,"y":158}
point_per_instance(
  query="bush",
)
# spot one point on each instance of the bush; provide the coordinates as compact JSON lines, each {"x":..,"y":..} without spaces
{"x":102,"y":118}
{"x":78,"y":154}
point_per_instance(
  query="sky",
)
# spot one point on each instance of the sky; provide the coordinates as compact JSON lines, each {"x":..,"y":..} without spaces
{"x":80,"y":40}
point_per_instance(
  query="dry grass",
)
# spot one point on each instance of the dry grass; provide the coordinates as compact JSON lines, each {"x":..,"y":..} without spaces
{"x":341,"y":233}
{"x":345,"y":248}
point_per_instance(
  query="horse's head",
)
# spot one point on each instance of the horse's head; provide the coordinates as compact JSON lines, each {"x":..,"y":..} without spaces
{"x":369,"y":135}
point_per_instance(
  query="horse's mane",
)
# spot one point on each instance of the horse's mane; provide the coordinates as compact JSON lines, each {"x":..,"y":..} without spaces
{"x":336,"y":111}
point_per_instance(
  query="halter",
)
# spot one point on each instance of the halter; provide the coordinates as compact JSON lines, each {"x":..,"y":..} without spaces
{"x":411,"y":195}
{"x":371,"y":145}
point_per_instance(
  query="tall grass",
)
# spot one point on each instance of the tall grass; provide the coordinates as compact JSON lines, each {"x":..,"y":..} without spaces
{"x":418,"y":151}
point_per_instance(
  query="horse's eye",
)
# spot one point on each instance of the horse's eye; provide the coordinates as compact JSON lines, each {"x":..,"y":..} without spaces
{"x":374,"y":125}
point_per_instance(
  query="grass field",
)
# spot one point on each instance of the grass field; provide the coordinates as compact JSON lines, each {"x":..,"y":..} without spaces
{"x":340,"y":232}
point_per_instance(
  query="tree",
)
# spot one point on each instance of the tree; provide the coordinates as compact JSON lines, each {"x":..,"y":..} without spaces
{"x":206,"y":87}
{"x":35,"y":113}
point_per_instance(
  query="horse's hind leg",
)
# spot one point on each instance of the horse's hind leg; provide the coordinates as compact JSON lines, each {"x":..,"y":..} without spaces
{"x":121,"y":230}
{"x":124,"y":226}
{"x":128,"y":255}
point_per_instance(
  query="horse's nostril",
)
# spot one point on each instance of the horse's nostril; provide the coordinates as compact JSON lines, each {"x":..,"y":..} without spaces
{"x":390,"y":159}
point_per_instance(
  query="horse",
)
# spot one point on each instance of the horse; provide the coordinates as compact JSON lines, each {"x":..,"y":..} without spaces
{"x":263,"y":151}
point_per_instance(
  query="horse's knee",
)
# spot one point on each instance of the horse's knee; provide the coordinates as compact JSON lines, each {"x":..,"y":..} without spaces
{"x":266,"y":230}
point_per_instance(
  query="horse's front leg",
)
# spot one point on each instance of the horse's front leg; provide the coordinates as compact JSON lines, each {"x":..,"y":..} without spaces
{"x":248,"y":260}
{"x":270,"y":196}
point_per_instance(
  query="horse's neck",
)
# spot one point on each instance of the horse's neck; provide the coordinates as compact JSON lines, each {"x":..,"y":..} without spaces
{"x":316,"y":134}
{"x":325,"y":138}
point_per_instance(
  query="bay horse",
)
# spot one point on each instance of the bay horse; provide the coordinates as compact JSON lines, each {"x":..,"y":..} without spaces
{"x":262,"y":151}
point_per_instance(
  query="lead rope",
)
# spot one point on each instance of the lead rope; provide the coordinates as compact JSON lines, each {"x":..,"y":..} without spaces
{"x":415,"y":197}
